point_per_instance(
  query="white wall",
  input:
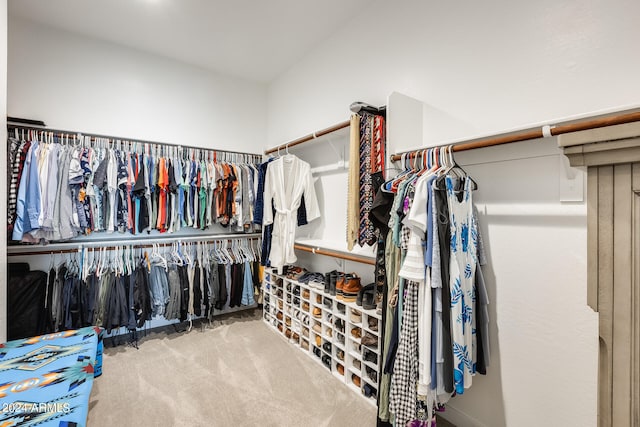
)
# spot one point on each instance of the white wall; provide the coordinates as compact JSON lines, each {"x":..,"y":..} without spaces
{"x":3,"y":161}
{"x":485,"y":68}
{"x":77,"y":83}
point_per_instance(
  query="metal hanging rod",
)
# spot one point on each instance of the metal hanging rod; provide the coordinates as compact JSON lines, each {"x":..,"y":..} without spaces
{"x":71,"y":247}
{"x":335,"y":254}
{"x":536,"y":133}
{"x":309,"y":137}
{"x":93,"y":136}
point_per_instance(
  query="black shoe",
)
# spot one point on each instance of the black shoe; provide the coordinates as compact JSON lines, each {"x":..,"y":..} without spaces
{"x":373,"y":376}
{"x":327,"y":282}
{"x":317,"y":351}
{"x":327,"y":347}
{"x":370,"y":356}
{"x":327,"y":302}
{"x":327,"y":361}
{"x":369,"y":287}
{"x":332,"y":285}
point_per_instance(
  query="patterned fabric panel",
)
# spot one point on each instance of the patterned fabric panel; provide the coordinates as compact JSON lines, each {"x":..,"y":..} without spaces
{"x":46,"y":380}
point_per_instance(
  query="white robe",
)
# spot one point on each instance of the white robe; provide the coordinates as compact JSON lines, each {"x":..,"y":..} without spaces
{"x":286,"y":180}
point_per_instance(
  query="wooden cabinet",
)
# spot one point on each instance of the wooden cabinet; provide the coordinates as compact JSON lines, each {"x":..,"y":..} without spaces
{"x":612,"y":158}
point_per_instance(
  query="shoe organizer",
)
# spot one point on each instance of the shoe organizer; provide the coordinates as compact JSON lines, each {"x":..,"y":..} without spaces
{"x":297,"y":301}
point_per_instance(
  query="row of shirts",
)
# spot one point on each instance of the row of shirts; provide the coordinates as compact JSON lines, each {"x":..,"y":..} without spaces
{"x":57,"y":192}
{"x":111,"y":299}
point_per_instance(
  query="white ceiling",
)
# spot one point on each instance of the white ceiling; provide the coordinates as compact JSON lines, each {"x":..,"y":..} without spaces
{"x":252,"y":39}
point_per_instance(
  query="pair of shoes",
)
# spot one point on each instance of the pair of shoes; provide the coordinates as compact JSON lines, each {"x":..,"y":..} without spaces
{"x":296,"y":291}
{"x":373,"y":375}
{"x":369,"y":340}
{"x":305,"y":306}
{"x":370,"y":356}
{"x":355,"y":379}
{"x":339,"y":325}
{"x":327,"y":361}
{"x":296,"y":301}
{"x":330,"y":279}
{"x":305,"y":293}
{"x":351,"y":289}
{"x":317,"y":312}
{"x":356,"y":333}
{"x":369,"y":391}
{"x":340,"y":369}
{"x":279,"y":293}
{"x":317,"y":328}
{"x":355,"y":316}
{"x":328,"y":303}
{"x":341,"y":308}
{"x":327,"y":347}
{"x":373,"y":324}
{"x":340,"y":355}
{"x":317,"y":352}
{"x":356,"y":364}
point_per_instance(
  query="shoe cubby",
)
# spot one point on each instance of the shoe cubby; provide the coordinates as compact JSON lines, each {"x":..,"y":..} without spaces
{"x":321,"y":325}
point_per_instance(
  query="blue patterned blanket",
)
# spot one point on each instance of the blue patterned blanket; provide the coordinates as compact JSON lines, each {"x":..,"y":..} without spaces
{"x":46,"y":380}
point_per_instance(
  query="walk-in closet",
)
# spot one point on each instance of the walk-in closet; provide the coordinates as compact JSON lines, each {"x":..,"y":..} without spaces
{"x":359,"y":213}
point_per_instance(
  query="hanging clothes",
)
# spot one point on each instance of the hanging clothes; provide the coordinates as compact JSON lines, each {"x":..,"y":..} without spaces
{"x":287,"y":179}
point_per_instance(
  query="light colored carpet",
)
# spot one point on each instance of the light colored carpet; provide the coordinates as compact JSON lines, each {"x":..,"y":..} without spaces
{"x":238,"y":373}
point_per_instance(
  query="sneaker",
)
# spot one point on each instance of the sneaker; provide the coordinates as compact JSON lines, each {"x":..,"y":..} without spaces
{"x":369,"y":340}
{"x":370,"y":356}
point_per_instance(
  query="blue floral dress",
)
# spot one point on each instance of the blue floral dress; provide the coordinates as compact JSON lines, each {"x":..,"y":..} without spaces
{"x":464,"y":243}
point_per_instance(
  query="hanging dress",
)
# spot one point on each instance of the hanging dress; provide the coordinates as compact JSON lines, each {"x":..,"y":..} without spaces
{"x":464,"y":240}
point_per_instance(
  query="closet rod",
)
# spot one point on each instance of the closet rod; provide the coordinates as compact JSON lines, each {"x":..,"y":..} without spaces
{"x":139,"y":243}
{"x":93,"y":136}
{"x":335,"y":254}
{"x":309,"y":137}
{"x":544,"y":131}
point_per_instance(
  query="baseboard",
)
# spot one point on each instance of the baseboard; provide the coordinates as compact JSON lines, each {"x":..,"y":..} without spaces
{"x":459,"y":418}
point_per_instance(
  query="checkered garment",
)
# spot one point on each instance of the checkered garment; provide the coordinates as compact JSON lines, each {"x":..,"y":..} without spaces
{"x":403,"y":394}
